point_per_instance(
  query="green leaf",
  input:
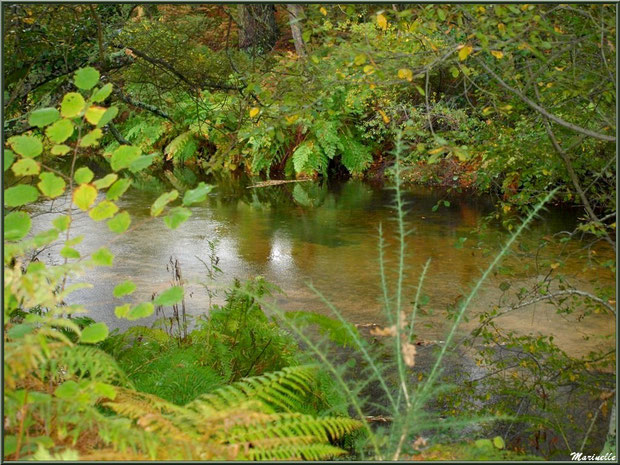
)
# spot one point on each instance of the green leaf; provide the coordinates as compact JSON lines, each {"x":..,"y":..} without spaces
{"x":177,"y":216}
{"x":100,"y":95}
{"x":43,"y":117}
{"x":69,"y":252}
{"x":91,"y":138}
{"x":19,"y":331}
{"x":62,"y":222}
{"x":108,"y":116}
{"x":105,"y":390}
{"x":16,"y":226}
{"x":169,"y":296}
{"x":103,"y":257}
{"x":10,"y":445}
{"x":498,"y":442}
{"x":142,"y":310}
{"x":72,"y":104}
{"x":199,"y":194}
{"x":83,"y":175}
{"x":84,"y":196}
{"x":45,"y":237}
{"x":162,"y":201}
{"x":67,"y":390}
{"x":106,"y":181}
{"x":94,"y":333}
{"x":118,"y":188}
{"x":9,"y":158}
{"x":20,"y":195}
{"x":51,"y":185}
{"x":93,"y":114}
{"x":86,"y":78}
{"x":124,"y":288}
{"x":141,"y":163}
{"x":26,"y":167}
{"x":123,"y":156}
{"x":26,"y":146}
{"x":119,"y":223}
{"x":122,"y":311}
{"x":59,"y":132}
{"x":60,"y":149}
{"x":104,"y":210}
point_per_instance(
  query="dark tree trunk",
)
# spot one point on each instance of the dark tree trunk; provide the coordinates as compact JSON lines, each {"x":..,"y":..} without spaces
{"x":257,"y":26}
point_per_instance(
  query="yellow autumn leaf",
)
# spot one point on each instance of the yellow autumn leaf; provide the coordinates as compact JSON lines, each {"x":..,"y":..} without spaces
{"x":497,"y":54}
{"x":405,"y":74}
{"x":323,"y":11}
{"x":369,"y":69}
{"x":254,"y":111}
{"x":501,"y":27}
{"x":555,"y":266}
{"x":465,"y":51}
{"x":436,"y":151}
{"x":386,"y":118}
{"x":382,"y":21}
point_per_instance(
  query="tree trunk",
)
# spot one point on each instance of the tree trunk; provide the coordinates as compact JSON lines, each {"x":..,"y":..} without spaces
{"x":295,"y":12}
{"x":257,"y":26}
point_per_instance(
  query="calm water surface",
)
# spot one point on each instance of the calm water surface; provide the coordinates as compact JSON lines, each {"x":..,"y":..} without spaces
{"x":298,"y":233}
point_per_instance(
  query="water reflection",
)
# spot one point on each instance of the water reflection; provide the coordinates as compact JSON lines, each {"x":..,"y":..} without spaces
{"x":325,"y":233}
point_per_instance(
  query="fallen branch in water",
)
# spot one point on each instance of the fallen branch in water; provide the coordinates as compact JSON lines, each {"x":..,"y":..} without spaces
{"x":276,"y":182}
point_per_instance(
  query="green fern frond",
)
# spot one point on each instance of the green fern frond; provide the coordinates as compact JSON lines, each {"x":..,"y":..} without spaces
{"x":84,"y":361}
{"x":284,"y":389}
{"x":182,"y":147}
{"x":292,"y":452}
{"x":355,"y":156}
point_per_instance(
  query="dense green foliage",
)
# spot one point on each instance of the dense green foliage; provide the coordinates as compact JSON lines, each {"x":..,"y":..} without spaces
{"x":104,"y":100}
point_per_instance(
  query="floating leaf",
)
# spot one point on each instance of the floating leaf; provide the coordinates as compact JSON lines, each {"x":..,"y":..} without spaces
{"x":83,"y":175}
{"x":177,"y":216}
{"x":51,"y":185}
{"x":72,"y":104}
{"x":106,"y":181}
{"x":60,"y":149}
{"x":26,"y":167}
{"x":169,"y":296}
{"x":123,"y":156}
{"x":103,"y":257}
{"x":142,"y":310}
{"x":100,"y":95}
{"x":9,"y":158}
{"x":103,"y":210}
{"x":26,"y":146}
{"x":118,"y":188}
{"x":43,"y":117}
{"x":20,"y":195}
{"x":16,"y":226}
{"x":86,"y":78}
{"x":199,"y":194}
{"x":122,"y":311}
{"x":84,"y":196}
{"x":94,"y":333}
{"x":91,"y":138}
{"x":60,"y":131}
{"x":124,"y":288}
{"x":162,"y":201}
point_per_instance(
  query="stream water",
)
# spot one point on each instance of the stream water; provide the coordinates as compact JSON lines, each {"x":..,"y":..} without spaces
{"x":297,"y":233}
